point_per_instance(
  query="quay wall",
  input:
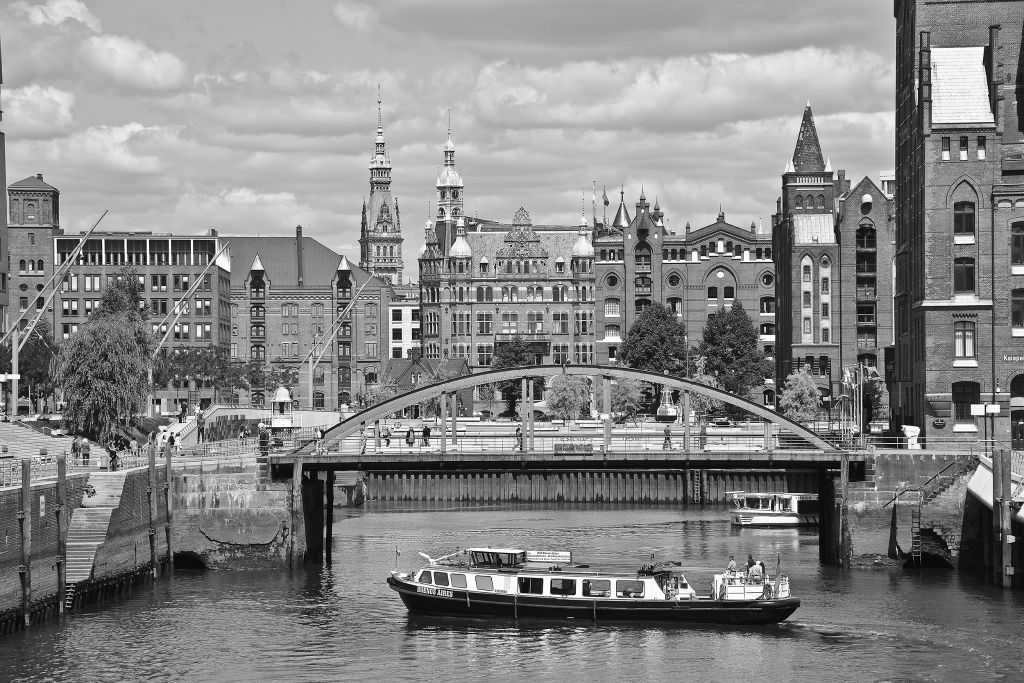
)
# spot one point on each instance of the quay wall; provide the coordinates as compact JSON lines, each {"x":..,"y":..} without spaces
{"x":227,"y":516}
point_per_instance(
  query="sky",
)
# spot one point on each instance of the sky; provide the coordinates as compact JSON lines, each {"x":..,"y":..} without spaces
{"x":254,"y":116}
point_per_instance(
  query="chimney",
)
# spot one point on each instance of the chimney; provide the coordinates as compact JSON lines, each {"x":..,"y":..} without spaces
{"x":996,"y":71}
{"x":298,"y":251}
{"x":39,"y":175}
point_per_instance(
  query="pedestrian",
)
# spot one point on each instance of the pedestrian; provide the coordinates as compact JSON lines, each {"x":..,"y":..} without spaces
{"x":181,"y":414}
{"x":133,"y":447}
{"x":519,"y":438}
{"x":667,"y":443}
{"x":386,"y":435}
{"x":731,"y":568}
{"x":171,"y":440}
{"x":76,"y":449}
{"x":426,"y":435}
{"x":85,"y":452}
{"x":410,"y":437}
{"x":112,"y":455}
{"x":318,"y":439}
{"x":242,"y":433}
{"x":200,"y":426}
{"x":264,"y":439}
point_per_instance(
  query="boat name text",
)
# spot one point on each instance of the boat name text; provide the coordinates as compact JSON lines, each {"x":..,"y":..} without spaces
{"x":433,"y":591}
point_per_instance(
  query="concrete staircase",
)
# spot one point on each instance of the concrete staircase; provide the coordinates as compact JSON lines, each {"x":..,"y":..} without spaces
{"x":24,"y":442}
{"x":88,"y":529}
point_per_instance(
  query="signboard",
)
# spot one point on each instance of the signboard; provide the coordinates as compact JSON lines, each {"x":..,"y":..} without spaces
{"x":574,"y":447}
{"x":938,"y":424}
{"x":977,"y":409}
{"x":549,"y":556}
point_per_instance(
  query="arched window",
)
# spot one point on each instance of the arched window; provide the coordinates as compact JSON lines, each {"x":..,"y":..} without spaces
{"x":821,"y":201}
{"x":1017,"y":244}
{"x":21,"y":265}
{"x":767,"y":329}
{"x":642,"y":258}
{"x":440,"y":212}
{"x":963,"y":219}
{"x":39,"y":265}
{"x":866,"y":236}
{"x":799,"y":202}
{"x":767,"y":305}
{"x":318,"y":400}
{"x":703,"y":251}
{"x":964,"y":338}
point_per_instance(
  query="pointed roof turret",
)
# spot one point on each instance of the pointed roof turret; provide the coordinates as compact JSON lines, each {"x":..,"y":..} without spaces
{"x":622,"y":219}
{"x":343,"y":265}
{"x":583,"y":248}
{"x":807,"y":157}
{"x":257,"y":263}
{"x":460,"y":249}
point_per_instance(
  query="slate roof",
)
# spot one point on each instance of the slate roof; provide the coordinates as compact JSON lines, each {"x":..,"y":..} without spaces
{"x":401,"y":369}
{"x":719,"y":227}
{"x":813,"y":228}
{"x":33,"y":182}
{"x":279,"y":258}
{"x":807,"y":157}
{"x":959,"y":86}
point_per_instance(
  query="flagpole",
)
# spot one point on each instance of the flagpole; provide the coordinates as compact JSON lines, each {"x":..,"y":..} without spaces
{"x":593,"y":206}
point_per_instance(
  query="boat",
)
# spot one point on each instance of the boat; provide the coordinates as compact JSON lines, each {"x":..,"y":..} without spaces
{"x":773,"y":509}
{"x":519,"y":584}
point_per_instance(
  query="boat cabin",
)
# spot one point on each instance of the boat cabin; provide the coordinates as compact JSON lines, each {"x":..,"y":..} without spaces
{"x":775,"y":502}
{"x":499,"y":558}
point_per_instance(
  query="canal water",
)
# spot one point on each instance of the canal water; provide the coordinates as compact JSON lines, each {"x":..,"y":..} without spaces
{"x":344,"y":623}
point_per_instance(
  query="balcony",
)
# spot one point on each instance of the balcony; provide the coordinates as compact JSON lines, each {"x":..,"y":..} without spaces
{"x":257,"y":335}
{"x":867,"y":293}
{"x":866,"y":319}
{"x":643,"y":290}
{"x":525,"y":336}
{"x":643,"y":268}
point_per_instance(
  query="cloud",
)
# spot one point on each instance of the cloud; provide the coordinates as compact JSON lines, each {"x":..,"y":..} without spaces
{"x":36,"y":111}
{"x":56,"y":12}
{"x":355,"y":16}
{"x":130,"y":62}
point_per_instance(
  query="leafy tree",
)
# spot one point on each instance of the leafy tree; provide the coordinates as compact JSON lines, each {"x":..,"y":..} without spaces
{"x":443,"y":371}
{"x":384,"y":390}
{"x":626,"y":399}
{"x":34,"y":362}
{"x":566,"y":396}
{"x":513,"y":354}
{"x":103,"y":369}
{"x":700,"y":404}
{"x":800,"y":399}
{"x":208,"y":364}
{"x":730,"y":347}
{"x":656,"y":341}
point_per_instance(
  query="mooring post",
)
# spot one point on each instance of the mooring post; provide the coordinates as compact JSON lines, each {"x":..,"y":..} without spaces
{"x":606,"y":412}
{"x":997,"y":518}
{"x":686,"y":420}
{"x":295,"y":512}
{"x":522,"y":411}
{"x":845,"y":542}
{"x":168,"y":508}
{"x":329,"y":516}
{"x":767,"y":435}
{"x":25,"y":517}
{"x":454,"y":397}
{"x":62,"y":528}
{"x":442,"y":408}
{"x":151,"y":496}
{"x":1005,"y":516}
{"x":376,"y":435}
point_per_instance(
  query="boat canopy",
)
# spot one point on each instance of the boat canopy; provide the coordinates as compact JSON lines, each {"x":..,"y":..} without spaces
{"x":496,"y":557}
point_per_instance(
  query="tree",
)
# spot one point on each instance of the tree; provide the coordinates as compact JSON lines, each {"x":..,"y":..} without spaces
{"x":34,"y":362}
{"x":516,"y":353}
{"x":800,"y":399}
{"x":384,"y":390}
{"x":566,"y":396}
{"x":700,"y":404}
{"x":211,"y":365}
{"x":731,"y":349}
{"x":656,"y":341}
{"x":442,"y":372}
{"x":626,"y":399}
{"x":103,"y":369}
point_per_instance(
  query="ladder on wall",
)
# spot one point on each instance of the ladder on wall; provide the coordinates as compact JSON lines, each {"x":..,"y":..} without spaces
{"x":915,"y":531}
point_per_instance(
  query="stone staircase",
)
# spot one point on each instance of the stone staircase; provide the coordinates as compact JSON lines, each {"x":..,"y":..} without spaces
{"x":24,"y":442}
{"x":88,"y":529}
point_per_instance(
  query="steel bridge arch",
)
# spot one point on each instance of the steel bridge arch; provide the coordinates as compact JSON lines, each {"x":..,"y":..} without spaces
{"x":352,"y":424}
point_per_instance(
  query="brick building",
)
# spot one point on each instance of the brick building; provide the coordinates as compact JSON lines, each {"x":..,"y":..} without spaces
{"x":959,"y":296}
{"x":403,"y":323}
{"x":4,"y":239}
{"x":482,"y":282}
{"x":640,"y":261}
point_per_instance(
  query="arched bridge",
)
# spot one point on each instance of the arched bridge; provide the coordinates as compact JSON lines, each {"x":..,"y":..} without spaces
{"x":350,"y":442}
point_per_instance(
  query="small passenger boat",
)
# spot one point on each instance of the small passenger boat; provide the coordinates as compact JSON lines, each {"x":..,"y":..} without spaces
{"x":513,"y":583}
{"x":773,"y":509}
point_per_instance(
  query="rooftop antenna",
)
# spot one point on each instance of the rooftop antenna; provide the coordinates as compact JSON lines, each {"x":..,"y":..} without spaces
{"x":380,"y":124}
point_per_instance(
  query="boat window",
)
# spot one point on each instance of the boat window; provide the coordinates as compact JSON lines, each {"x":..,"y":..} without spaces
{"x":563,"y":586}
{"x":531,"y":584}
{"x":440,"y":579}
{"x":458,"y":580}
{"x":598,"y":588}
{"x":425,"y":577}
{"x":629,"y":589}
{"x":484,"y":583}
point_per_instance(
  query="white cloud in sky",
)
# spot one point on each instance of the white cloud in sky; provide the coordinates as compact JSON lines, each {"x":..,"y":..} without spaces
{"x":36,"y":111}
{"x":131,"y":62}
{"x":355,"y":15}
{"x":56,"y":12}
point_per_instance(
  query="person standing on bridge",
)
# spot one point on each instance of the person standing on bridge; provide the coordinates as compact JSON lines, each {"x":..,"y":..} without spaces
{"x":426,"y":435}
{"x":410,"y":437}
{"x":519,"y":438}
{"x":667,"y":443}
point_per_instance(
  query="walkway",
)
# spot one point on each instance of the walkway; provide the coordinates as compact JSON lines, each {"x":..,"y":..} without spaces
{"x":89,"y":526}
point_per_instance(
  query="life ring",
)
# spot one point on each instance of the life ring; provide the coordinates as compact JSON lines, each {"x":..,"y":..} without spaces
{"x":767,"y":593}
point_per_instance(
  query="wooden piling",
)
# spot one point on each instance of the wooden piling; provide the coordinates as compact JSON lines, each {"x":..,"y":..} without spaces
{"x":1005,"y":517}
{"x":168,"y":508}
{"x":997,"y":518}
{"x":151,"y":496}
{"x":62,"y":529}
{"x":295,"y":510}
{"x":25,"y":517}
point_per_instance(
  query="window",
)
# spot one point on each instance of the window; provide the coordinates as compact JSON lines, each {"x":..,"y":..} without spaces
{"x":534,"y":323}
{"x":484,"y":323}
{"x":824,"y":285}
{"x":484,"y":354}
{"x":533,"y":585}
{"x":981,"y":147}
{"x":69,"y":307}
{"x":71,"y":280}
{"x":484,"y":583}
{"x":611,"y":308}
{"x":560,"y":322}
{"x":963,"y":275}
{"x":767,"y":279}
{"x":1017,"y":307}
{"x":866,"y":314}
{"x":626,"y":588}
{"x":713,"y":293}
{"x":963,"y":148}
{"x":559,"y":353}
{"x":1017,"y":244}
{"x":945,"y":149}
{"x":826,"y":335}
{"x":370,"y":349}
{"x":964,"y":395}
{"x":730,"y":292}
{"x":204,"y":331}
{"x":767,"y":304}
{"x":963,"y":339}
{"x":563,"y":586}
{"x":807,"y":326}
{"x":806,"y":299}
{"x":509,"y":322}
{"x":598,"y":588}
{"x":963,"y":219}
{"x":806,"y":273}
{"x":824,"y":310}
{"x":799,"y":202}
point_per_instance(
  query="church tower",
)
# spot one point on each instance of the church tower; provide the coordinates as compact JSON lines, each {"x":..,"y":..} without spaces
{"x":380,"y":235}
{"x":450,"y":194}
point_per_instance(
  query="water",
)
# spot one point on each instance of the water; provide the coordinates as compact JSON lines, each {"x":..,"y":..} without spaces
{"x":344,"y":623}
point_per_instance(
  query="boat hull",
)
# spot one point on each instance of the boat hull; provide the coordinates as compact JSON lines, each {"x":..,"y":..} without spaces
{"x":429,"y":600}
{"x":768,"y":518}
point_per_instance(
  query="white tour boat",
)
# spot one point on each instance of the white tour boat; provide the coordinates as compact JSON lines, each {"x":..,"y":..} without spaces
{"x":773,"y":509}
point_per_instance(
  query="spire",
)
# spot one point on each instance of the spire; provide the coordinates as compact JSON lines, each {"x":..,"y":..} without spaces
{"x":622,"y":219}
{"x":807,"y":157}
{"x":380,"y":121}
{"x":721,"y":214}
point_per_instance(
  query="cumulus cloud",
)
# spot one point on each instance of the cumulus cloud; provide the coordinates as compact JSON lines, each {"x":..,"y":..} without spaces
{"x":36,"y":111}
{"x":133,"y":63}
{"x":355,"y":15}
{"x":56,"y":12}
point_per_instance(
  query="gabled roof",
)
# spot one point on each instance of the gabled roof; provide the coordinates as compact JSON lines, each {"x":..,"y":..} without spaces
{"x":720,"y":226}
{"x":401,"y":370}
{"x":278,"y":256}
{"x":813,"y":228}
{"x":33,"y":182}
{"x":960,"y":86}
{"x":807,"y":157}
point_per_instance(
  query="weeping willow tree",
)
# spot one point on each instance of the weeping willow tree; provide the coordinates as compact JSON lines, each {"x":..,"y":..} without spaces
{"x":103,"y":369}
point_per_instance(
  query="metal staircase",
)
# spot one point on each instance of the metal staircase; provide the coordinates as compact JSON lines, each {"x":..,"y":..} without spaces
{"x":88,"y":529}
